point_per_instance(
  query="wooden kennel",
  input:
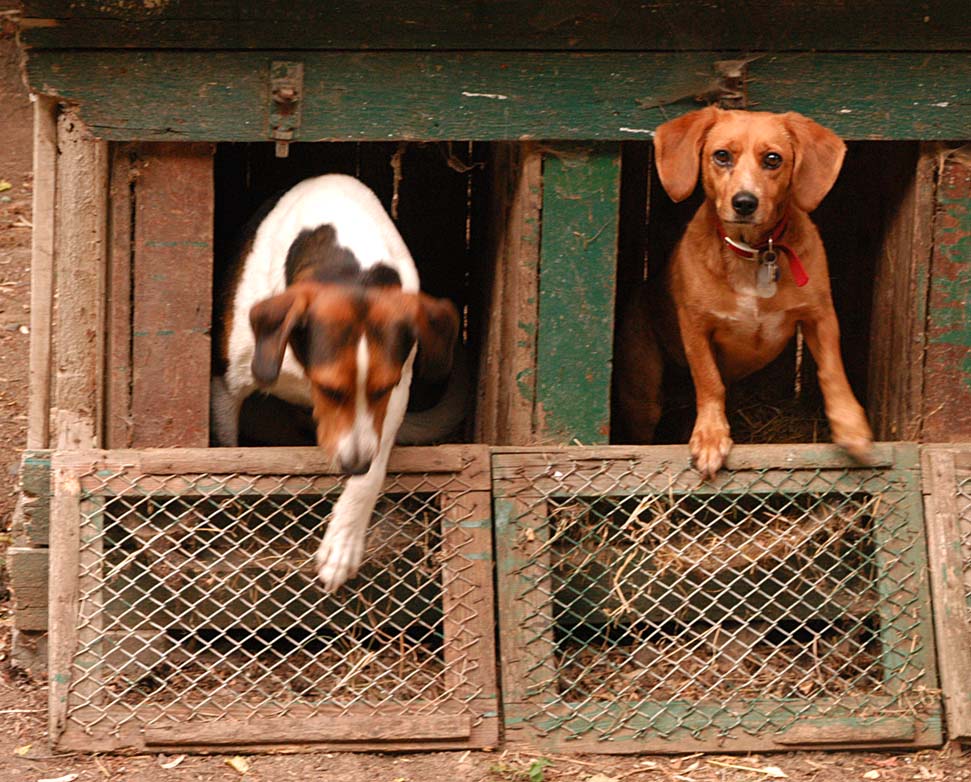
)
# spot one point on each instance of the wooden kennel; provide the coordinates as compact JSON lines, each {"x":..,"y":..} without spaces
{"x":513,"y":137}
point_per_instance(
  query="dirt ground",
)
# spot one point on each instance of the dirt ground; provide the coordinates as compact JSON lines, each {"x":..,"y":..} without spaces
{"x":24,"y":754}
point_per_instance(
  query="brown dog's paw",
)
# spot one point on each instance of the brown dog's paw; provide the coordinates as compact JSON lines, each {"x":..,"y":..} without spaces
{"x":859,"y":446}
{"x":709,"y":447}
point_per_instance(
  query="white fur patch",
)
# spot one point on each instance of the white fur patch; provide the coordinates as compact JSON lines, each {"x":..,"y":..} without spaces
{"x":360,"y":444}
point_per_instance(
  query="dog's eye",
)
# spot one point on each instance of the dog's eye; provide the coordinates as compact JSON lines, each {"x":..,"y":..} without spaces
{"x":335,"y":395}
{"x":378,"y":394}
{"x":772,"y":160}
{"x":722,"y":157}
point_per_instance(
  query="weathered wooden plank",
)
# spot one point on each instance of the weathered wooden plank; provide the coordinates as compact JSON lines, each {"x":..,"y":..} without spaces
{"x":947,"y":575}
{"x":42,"y":271}
{"x":28,"y":582}
{"x":896,"y":361}
{"x":185,"y":95}
{"x":578,"y":263}
{"x":266,"y":461}
{"x":742,"y":457}
{"x":507,"y":387}
{"x":118,"y":301}
{"x":947,"y":363}
{"x":172,"y":296}
{"x":349,"y":729}
{"x":520,"y":24}
{"x":63,"y":598}
{"x":80,"y":223}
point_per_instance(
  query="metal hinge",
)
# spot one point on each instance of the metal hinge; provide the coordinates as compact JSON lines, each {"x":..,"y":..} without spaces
{"x":286,"y":102}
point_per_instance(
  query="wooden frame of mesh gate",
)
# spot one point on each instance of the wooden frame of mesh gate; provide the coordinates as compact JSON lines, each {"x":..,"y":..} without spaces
{"x":462,"y":475}
{"x":948,"y":512}
{"x":526,"y":480}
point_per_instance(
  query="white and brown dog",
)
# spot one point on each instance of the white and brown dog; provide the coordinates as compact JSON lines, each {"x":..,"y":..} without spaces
{"x":325,"y":311}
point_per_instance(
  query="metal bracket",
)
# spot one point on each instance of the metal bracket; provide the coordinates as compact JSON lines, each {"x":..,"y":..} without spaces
{"x":286,"y":102}
{"x":733,"y":77}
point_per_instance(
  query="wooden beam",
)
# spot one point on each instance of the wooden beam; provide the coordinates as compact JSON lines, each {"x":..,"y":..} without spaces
{"x":507,"y":385}
{"x":947,"y":580}
{"x":172,"y":281}
{"x":947,"y":363}
{"x":577,"y":275}
{"x":79,"y":269}
{"x":42,"y":271}
{"x":118,"y":301}
{"x":885,"y":25}
{"x":898,"y":319}
{"x":209,"y":96}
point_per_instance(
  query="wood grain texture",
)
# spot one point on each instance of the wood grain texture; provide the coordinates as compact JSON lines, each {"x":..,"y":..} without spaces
{"x":79,"y":268}
{"x":517,"y":24}
{"x":947,"y":580}
{"x":185,"y":95}
{"x":172,"y":295}
{"x":947,"y":364}
{"x":118,"y":301}
{"x":507,"y":387}
{"x":31,"y":523}
{"x":896,"y":380}
{"x":577,"y":276}
{"x":42,"y":271}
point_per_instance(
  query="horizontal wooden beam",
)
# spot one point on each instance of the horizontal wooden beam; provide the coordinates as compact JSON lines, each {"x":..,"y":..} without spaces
{"x":888,"y":25}
{"x":357,"y":96}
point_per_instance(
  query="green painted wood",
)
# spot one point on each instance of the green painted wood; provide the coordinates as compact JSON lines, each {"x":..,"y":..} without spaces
{"x":577,"y":270}
{"x":887,"y":25}
{"x":186,"y":95}
{"x":31,"y":521}
{"x":947,"y":354}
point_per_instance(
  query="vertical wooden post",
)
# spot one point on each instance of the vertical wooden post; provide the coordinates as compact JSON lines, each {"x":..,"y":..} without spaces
{"x":172,"y":295}
{"x":42,"y":270}
{"x":79,"y":266}
{"x":507,"y":369}
{"x":578,"y":263}
{"x":947,"y":362}
{"x":899,"y":315}
{"x":118,"y":304}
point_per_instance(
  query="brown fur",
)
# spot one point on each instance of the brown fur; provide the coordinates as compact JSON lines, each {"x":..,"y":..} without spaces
{"x":705,"y":313}
{"x":338,"y":315}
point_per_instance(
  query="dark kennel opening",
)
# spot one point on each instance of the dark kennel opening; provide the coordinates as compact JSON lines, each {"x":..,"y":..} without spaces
{"x":863,"y":221}
{"x":426,"y":188}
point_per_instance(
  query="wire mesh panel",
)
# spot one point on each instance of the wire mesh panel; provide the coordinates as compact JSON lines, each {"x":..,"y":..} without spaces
{"x":782,"y":604}
{"x":188,"y":612}
{"x":947,"y":488}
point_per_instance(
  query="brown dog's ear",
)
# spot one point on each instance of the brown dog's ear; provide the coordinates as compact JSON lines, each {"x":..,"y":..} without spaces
{"x":272,"y":321}
{"x":437,"y":329}
{"x":819,"y":157}
{"x":677,"y":151}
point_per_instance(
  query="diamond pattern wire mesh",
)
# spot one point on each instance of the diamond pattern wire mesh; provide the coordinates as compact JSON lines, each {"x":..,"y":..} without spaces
{"x":198,"y":601}
{"x":964,"y":527}
{"x":650,"y":606}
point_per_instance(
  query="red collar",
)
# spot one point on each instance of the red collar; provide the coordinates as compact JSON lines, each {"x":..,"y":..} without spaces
{"x":750,"y":253}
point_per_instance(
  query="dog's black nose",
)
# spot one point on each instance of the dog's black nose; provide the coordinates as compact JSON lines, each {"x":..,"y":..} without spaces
{"x":744,"y":203}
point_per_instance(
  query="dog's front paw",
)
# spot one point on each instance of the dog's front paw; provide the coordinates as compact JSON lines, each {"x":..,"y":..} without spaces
{"x":709,"y":447}
{"x":339,"y":555}
{"x":852,"y":432}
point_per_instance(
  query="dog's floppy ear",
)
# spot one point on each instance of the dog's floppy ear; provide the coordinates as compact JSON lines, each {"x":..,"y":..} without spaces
{"x":819,"y":157}
{"x":272,"y":321}
{"x":677,"y":151}
{"x":437,"y":330}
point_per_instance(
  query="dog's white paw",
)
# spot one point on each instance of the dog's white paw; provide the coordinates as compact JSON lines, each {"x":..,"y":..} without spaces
{"x":339,"y":555}
{"x":709,"y":447}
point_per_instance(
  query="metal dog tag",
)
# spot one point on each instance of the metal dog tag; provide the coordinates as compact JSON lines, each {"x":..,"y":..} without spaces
{"x":767,"y":276}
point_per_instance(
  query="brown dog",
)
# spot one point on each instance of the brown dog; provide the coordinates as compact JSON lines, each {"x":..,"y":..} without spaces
{"x":749,"y":267}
